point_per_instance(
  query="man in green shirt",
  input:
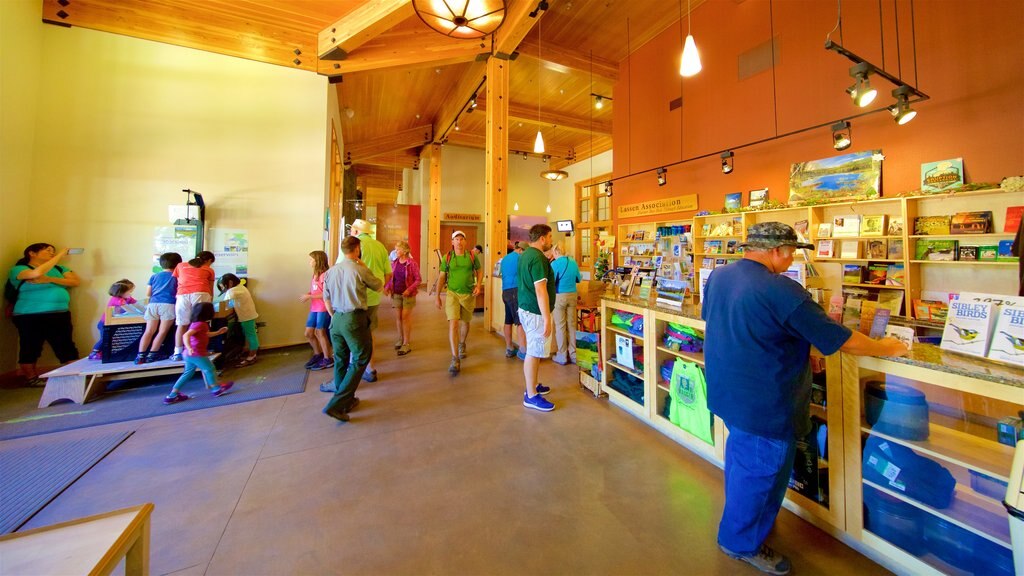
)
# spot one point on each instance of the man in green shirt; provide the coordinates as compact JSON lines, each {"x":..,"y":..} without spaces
{"x":536,"y":301}
{"x":375,"y":256}
{"x":461,"y":272}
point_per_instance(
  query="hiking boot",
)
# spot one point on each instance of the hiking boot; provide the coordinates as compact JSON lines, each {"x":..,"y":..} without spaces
{"x":455,"y":366}
{"x":462,"y":350}
{"x":352,"y":406}
{"x":542,"y":389}
{"x":222,"y":389}
{"x":510,"y":352}
{"x":95,"y":355}
{"x":175,"y":397}
{"x":537,"y":402}
{"x":324,"y":364}
{"x":312,"y":362}
{"x":337,"y":414}
{"x":765,"y":560}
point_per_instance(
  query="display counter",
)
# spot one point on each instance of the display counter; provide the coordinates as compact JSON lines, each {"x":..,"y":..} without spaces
{"x":960,"y":397}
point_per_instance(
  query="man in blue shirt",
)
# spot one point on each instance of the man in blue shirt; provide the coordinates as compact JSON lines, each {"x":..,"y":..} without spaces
{"x":760,"y":327}
{"x":509,"y":291}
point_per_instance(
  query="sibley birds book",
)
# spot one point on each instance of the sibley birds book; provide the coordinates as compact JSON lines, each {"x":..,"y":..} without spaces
{"x":968,"y":327}
{"x":1008,"y":335}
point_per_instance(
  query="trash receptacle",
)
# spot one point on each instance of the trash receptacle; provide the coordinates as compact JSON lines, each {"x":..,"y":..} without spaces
{"x":1015,"y":506}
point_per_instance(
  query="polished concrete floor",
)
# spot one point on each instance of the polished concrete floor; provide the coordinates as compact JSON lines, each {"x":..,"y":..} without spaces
{"x":433,"y":475}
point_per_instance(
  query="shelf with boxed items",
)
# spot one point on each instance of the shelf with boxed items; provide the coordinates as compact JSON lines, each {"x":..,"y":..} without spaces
{"x":624,"y":332}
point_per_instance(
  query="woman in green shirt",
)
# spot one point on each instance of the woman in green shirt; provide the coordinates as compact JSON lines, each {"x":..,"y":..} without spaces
{"x":41,"y":312}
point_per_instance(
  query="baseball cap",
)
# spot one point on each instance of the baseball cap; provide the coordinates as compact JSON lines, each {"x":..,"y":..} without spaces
{"x":458,"y":233}
{"x":362,"y":226}
{"x":768,"y":235}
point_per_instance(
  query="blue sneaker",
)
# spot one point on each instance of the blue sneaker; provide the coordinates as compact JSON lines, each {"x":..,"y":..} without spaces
{"x":368,"y":375}
{"x":542,"y":389}
{"x":520,"y":354}
{"x":537,"y":402}
{"x":176,"y":357}
{"x":312,"y":362}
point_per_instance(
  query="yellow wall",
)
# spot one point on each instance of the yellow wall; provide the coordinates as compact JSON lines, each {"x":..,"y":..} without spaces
{"x":122,"y":125}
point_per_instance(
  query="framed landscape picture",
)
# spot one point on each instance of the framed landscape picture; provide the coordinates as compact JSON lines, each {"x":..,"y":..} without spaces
{"x":733,"y":201}
{"x":758,"y":197}
{"x":846,"y":177}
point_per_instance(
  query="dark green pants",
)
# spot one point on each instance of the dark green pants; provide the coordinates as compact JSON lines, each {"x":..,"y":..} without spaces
{"x":353,"y":346}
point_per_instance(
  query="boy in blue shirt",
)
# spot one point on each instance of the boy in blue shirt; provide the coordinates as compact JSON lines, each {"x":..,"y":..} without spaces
{"x":161,"y":291}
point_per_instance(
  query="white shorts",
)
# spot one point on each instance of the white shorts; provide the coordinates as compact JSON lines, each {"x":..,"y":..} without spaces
{"x":183,"y":306}
{"x":536,"y":342}
{"x":159,"y":311}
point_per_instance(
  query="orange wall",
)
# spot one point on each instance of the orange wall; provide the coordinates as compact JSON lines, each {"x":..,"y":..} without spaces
{"x":970,"y":60}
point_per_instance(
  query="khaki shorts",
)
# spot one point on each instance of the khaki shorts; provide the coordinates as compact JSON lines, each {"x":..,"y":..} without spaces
{"x":183,"y":306}
{"x":159,"y":312}
{"x":371,"y":311}
{"x":459,"y":306}
{"x":403,"y":301}
{"x":533,"y":326}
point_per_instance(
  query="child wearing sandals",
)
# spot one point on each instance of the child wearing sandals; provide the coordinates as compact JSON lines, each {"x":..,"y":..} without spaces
{"x":231,"y":289}
{"x":161,"y":290}
{"x":120,"y":296}
{"x":196,"y":339}
{"x":195,"y":285}
{"x":319,"y":321}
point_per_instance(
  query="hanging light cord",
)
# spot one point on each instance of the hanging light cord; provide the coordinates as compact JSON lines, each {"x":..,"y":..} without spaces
{"x":899,"y":59}
{"x":838,"y":26}
{"x":540,"y":65}
{"x":775,"y":98}
{"x":881,"y":33}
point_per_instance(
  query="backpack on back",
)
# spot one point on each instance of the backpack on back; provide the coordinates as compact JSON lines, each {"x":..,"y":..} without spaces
{"x":11,"y":291}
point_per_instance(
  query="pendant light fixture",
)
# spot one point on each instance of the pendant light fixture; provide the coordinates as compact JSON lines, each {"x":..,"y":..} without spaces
{"x":549,"y":209}
{"x":515,"y":207}
{"x":690,"y":64}
{"x":475,"y":18}
{"x":554,"y":175}
{"x":538,"y":143}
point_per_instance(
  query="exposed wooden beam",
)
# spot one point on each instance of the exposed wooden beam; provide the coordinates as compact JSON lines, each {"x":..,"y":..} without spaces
{"x":517,"y":25}
{"x":457,"y":99}
{"x":360,"y":26}
{"x":529,"y":115}
{"x":479,"y":141}
{"x":583,"y":151}
{"x":405,"y":48}
{"x":390,"y":143}
{"x":496,"y":174}
{"x":432,"y":265}
{"x":561,"y":56}
{"x":399,"y":160}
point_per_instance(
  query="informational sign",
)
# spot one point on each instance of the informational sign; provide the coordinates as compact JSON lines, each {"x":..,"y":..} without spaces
{"x":460,"y":217}
{"x":624,"y":351}
{"x":231,"y":248}
{"x":180,"y":239}
{"x":659,"y":206}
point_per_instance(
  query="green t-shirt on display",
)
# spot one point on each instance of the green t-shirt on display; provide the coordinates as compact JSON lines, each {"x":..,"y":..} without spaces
{"x":375,"y":256}
{"x":689,"y":392}
{"x":461,"y":271}
{"x":534,"y":266}
{"x":40,"y":298}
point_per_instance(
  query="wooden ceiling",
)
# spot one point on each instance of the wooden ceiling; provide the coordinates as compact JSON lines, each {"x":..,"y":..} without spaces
{"x":401,"y":85}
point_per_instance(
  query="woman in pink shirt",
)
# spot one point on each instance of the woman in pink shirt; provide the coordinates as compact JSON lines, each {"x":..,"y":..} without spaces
{"x":195,"y":285}
{"x":319,"y":321}
{"x":402,"y":287}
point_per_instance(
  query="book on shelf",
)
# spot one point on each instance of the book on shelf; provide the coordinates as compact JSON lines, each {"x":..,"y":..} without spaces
{"x":891,"y":299}
{"x":971,"y":223}
{"x":713,"y":246}
{"x":895,"y":226}
{"x":705,"y":229}
{"x":931,"y":225}
{"x":800,"y":227}
{"x":895,"y":249}
{"x":825,"y":248}
{"x":723,"y":229}
{"x":895,"y":275}
{"x":877,"y":273}
{"x":1004,"y":252}
{"x":825,"y":230}
{"x":853,"y":274}
{"x":968,"y":327}
{"x":934,"y":310}
{"x":904,"y":334}
{"x":846,"y":225}
{"x":835,"y":307}
{"x":880,"y":323}
{"x":730,"y":246}
{"x":1008,"y":335}
{"x":942,"y":175}
{"x":1013,"y":216}
{"x":873,"y":225}
{"x":988,"y":253}
{"x":967,"y":253}
{"x":797,"y":272}
{"x":936,"y":250}
{"x":868,"y":309}
{"x":849,"y":249}
{"x":877,"y":249}
{"x":721,"y":262}
{"x":707,"y":263}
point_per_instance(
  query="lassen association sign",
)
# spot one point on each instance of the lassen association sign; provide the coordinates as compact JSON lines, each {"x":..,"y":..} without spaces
{"x":660,"y":206}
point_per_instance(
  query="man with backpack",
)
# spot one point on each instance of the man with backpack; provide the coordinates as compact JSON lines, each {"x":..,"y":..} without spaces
{"x":463,"y":276}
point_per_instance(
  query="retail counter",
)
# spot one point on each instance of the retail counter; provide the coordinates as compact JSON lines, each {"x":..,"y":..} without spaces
{"x":932,"y":415}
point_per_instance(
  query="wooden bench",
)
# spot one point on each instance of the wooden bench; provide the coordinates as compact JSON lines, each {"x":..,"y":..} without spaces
{"x":93,"y":545}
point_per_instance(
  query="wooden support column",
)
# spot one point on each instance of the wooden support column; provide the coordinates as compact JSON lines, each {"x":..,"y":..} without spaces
{"x":496,"y":176}
{"x":434,"y":214}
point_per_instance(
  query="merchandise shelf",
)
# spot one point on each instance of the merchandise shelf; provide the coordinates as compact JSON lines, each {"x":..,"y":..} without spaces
{"x":827,"y":260}
{"x":633,"y":373}
{"x":966,"y":450}
{"x":625,"y":333}
{"x":697,"y":358}
{"x":840,"y":238}
{"x":990,"y":235}
{"x":968,"y":262}
{"x":889,"y":286}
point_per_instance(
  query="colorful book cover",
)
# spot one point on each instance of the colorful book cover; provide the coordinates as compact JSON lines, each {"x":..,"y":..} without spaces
{"x":1005,"y":251}
{"x":825,"y":230}
{"x":835,"y":308}
{"x":868,"y":309}
{"x":930,"y":310}
{"x":942,"y":175}
{"x":713,"y":246}
{"x":895,"y":226}
{"x":1008,"y":335}
{"x":895,"y":275}
{"x":968,"y":253}
{"x":891,"y":299}
{"x":971,"y":223}
{"x":904,"y":334}
{"x":873,"y":225}
{"x":849,"y":249}
{"x":730,"y":247}
{"x":988,"y":253}
{"x":879,"y":324}
{"x":846,"y":225}
{"x":733,"y":201}
{"x":1013,"y":215}
{"x":877,"y":274}
{"x":853,"y":274}
{"x":825,"y":248}
{"x":896,"y":249}
{"x":931,"y":225}
{"x":878,"y":249}
{"x":705,"y":229}
{"x":800,"y":227}
{"x":968,"y":327}
{"x":936,"y":250}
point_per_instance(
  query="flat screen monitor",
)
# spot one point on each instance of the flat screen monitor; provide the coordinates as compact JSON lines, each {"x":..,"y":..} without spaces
{"x":563,"y":225}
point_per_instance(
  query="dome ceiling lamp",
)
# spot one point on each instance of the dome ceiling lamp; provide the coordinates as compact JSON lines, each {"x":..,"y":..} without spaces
{"x":554,"y":175}
{"x":462,"y":19}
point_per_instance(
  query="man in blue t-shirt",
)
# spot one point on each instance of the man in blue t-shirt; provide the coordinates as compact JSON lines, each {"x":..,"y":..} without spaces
{"x":760,"y":327}
{"x":509,"y":292}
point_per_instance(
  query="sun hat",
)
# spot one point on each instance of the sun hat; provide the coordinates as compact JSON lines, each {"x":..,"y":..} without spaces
{"x":363,"y":226}
{"x":458,"y":233}
{"x":768,"y":235}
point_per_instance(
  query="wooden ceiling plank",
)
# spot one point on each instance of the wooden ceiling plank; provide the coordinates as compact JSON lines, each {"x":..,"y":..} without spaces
{"x":403,"y":159}
{"x":530,"y":115}
{"x":389,"y":144}
{"x":602,"y":69}
{"x":360,"y":26}
{"x":461,"y":138}
{"x":404,"y":50}
{"x":457,"y":98}
{"x":517,"y":25}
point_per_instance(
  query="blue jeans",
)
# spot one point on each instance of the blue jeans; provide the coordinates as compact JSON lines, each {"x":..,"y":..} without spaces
{"x":201,"y":363}
{"x":757,"y":471}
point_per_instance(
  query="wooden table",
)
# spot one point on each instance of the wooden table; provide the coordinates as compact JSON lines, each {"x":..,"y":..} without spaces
{"x":93,"y":545}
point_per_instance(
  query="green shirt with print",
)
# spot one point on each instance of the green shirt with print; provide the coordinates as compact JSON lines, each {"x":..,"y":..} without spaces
{"x":461,"y":271}
{"x":40,"y":298}
{"x":375,"y":256}
{"x":534,"y":266}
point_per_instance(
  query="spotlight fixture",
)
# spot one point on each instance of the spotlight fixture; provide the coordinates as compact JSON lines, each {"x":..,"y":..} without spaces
{"x":554,"y":175}
{"x":662,"y":178}
{"x":861,"y":91}
{"x":598,"y":102}
{"x":456,"y":124}
{"x":608,"y":189}
{"x":727,"y":162}
{"x":473,"y":20}
{"x":901,"y":111}
{"x":472,"y":102}
{"x":841,"y":135}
